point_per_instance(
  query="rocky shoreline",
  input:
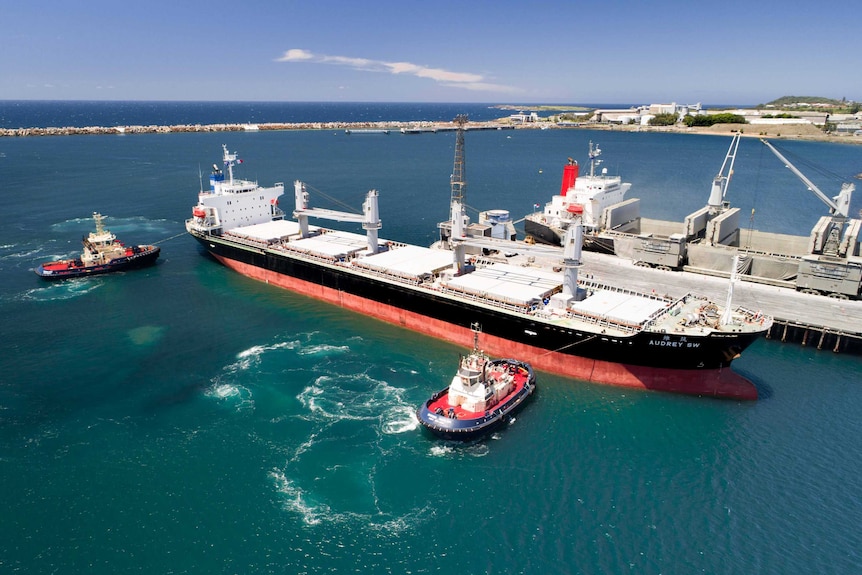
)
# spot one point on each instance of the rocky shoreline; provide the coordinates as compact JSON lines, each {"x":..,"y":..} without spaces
{"x":808,"y":132}
{"x":795,"y":131}
{"x":186,"y":128}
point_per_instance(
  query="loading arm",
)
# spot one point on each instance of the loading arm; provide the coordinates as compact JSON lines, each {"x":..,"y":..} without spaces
{"x":838,"y":206}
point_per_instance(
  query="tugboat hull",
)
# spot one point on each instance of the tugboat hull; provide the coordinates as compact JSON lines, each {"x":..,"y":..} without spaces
{"x":141,"y":256}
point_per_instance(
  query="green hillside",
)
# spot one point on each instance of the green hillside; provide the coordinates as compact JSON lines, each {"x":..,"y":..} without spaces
{"x":826,"y":104}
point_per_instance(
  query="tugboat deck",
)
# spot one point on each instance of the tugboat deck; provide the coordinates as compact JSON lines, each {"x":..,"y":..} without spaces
{"x":458,"y":411}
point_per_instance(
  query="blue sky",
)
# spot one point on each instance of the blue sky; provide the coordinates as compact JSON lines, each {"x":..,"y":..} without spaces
{"x":616,"y":51}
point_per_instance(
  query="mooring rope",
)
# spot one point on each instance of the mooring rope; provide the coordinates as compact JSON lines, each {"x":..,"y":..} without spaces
{"x":170,"y":238}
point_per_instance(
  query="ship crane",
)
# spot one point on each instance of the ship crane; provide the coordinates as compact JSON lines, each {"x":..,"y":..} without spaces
{"x":369,"y":218}
{"x":570,"y":253}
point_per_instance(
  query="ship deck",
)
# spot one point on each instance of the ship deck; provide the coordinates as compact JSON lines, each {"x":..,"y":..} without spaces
{"x":813,"y":320}
{"x":517,"y":283}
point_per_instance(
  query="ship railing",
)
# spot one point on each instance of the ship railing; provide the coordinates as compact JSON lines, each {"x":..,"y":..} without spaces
{"x":518,"y":308}
{"x":594,"y":285}
{"x":207,"y":227}
{"x":751,"y":316}
{"x":260,"y":244}
{"x":401,"y":278}
{"x":287,"y":248}
{"x":345,"y":262}
{"x":604,"y":321}
{"x":678,"y":304}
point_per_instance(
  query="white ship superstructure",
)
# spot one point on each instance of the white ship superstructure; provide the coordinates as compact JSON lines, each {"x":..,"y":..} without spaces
{"x":593,"y":193}
{"x":232,"y":203}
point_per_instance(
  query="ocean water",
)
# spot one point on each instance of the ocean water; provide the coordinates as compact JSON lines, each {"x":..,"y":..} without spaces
{"x":28,"y":114}
{"x":185,"y":419}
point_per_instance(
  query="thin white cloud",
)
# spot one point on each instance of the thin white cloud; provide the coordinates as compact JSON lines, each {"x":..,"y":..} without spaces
{"x":296,"y":55}
{"x":462,"y":80}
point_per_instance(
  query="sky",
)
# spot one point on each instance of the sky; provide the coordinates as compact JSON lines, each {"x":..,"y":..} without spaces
{"x":539,"y":52}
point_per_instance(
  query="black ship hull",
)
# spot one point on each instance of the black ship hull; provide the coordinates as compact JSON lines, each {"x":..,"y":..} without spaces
{"x":546,"y":234}
{"x":663,"y":361}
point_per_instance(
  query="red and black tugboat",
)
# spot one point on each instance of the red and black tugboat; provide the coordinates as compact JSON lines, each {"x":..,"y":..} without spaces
{"x":483,"y":394}
{"x":103,"y":253}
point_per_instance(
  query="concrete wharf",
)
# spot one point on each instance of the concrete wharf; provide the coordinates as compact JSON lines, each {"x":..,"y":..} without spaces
{"x":809,"y":320}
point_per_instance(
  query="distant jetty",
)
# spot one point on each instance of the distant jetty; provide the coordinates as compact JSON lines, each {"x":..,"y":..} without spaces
{"x":802,"y":132}
{"x":346,"y":127}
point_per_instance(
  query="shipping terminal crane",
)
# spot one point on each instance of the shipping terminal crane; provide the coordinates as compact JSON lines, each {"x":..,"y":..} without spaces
{"x":832,"y":266}
{"x":715,"y":224}
{"x":827,"y":234}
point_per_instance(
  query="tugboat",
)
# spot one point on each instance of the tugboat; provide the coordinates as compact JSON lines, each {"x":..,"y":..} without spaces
{"x":482,"y":395}
{"x":103,"y":253}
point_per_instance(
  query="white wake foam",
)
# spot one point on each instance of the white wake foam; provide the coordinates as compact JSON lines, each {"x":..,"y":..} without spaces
{"x":63,"y":290}
{"x":232,"y":394}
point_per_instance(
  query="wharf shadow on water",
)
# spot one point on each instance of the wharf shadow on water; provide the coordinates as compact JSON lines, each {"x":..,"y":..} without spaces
{"x":764,"y":390}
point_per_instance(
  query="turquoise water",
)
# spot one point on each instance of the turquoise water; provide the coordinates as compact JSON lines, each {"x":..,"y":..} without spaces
{"x":184,"y":419}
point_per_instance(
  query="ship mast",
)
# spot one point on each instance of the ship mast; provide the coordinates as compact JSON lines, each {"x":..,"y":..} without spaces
{"x":727,"y":315}
{"x":458,"y":182}
{"x":100,"y":228}
{"x":458,"y":185}
{"x":229,"y":161}
{"x":476,"y":329}
{"x":595,"y":152}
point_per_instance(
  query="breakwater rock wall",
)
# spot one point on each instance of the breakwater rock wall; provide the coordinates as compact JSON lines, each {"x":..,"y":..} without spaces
{"x":102,"y":130}
{"x":417,"y":127}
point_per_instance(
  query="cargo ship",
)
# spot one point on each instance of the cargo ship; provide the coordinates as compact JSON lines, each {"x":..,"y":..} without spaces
{"x":102,"y":254}
{"x":585,"y":198}
{"x":536,"y":308}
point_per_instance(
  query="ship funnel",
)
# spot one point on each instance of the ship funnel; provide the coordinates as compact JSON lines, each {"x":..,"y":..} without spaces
{"x":570,"y":174}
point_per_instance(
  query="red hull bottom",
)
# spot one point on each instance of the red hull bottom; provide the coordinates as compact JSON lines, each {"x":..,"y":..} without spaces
{"x":724,"y":383}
